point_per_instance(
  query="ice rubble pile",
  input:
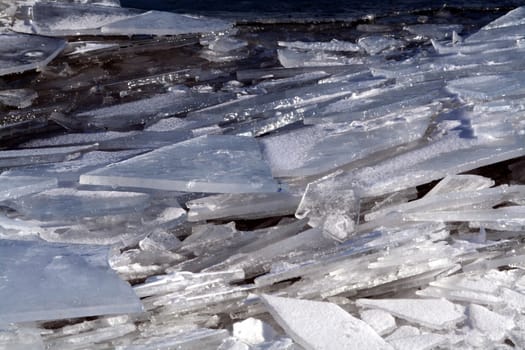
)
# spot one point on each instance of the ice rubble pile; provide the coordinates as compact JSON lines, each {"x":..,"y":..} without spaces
{"x":381,"y":231}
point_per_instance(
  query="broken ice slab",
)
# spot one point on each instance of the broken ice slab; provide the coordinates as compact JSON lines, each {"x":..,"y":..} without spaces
{"x":488,"y":87}
{"x":514,"y":32}
{"x":214,"y":164}
{"x":165,"y":23}
{"x":144,"y":111}
{"x":67,"y":19}
{"x":20,"y":52}
{"x":459,"y":200}
{"x":322,"y":325}
{"x":490,"y":323}
{"x":13,"y":187}
{"x":450,"y":155}
{"x":463,"y":183}
{"x":377,"y":101}
{"x":279,"y":73}
{"x":14,"y":338}
{"x":514,"y":214}
{"x":291,"y":82}
{"x":419,"y":342}
{"x":30,"y":156}
{"x":67,"y":203}
{"x":434,"y":31}
{"x":333,"y":45}
{"x":511,"y":18}
{"x":432,"y":313}
{"x":243,"y":206}
{"x":381,"y":321}
{"x":376,"y":44}
{"x":68,"y":173}
{"x":86,"y":339}
{"x":291,"y":58}
{"x":46,"y":281}
{"x":200,"y":338}
{"x":340,"y":147}
{"x":20,"y":98}
{"x":334,"y":212}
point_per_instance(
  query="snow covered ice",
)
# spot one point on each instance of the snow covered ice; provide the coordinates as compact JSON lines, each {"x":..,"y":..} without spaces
{"x":184,"y":181}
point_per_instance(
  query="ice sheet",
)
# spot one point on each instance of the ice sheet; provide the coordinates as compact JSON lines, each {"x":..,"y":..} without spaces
{"x":227,"y":164}
{"x":45,"y":281}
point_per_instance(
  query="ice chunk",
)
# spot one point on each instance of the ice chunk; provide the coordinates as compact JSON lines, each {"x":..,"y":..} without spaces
{"x":46,"y":281}
{"x":333,"y":45}
{"x":253,"y":331}
{"x":434,"y":31}
{"x":322,"y":325}
{"x":20,"y":98}
{"x":13,"y":187}
{"x":381,"y":321}
{"x":336,"y":212}
{"x":494,"y":325}
{"x":431,"y":313}
{"x":165,"y":23}
{"x":20,"y":52}
{"x":290,"y":58}
{"x":220,"y":164}
{"x":374,"y":45}
{"x":66,"y":204}
{"x":246,"y":206}
{"x":31,"y":156}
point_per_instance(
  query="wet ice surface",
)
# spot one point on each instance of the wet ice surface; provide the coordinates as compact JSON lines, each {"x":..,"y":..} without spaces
{"x":204,"y":184}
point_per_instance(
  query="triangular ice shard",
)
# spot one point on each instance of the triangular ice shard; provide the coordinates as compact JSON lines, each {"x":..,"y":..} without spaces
{"x":21,"y":52}
{"x":317,"y":325}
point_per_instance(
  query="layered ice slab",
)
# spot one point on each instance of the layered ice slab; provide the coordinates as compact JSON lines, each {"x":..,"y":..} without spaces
{"x":13,"y":187}
{"x":165,"y":23}
{"x":21,"y":52}
{"x":319,"y":325}
{"x":45,"y":281}
{"x":68,"y":203}
{"x":63,"y":19}
{"x":213,"y":163}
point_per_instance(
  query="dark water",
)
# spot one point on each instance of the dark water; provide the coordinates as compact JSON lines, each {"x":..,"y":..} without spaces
{"x":317,"y":8}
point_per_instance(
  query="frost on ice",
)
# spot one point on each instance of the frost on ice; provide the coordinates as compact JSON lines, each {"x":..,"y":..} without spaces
{"x":180,"y":181}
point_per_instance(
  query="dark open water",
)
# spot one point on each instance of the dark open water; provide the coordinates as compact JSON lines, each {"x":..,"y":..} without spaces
{"x":316,"y":8}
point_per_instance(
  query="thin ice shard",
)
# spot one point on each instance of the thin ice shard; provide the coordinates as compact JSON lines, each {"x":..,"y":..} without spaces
{"x":312,"y":323}
{"x":245,"y":206}
{"x":20,"y":52}
{"x":13,"y":187}
{"x":215,"y":164}
{"x":165,"y":23}
{"x":431,"y":313}
{"x":32,"y":156}
{"x":46,"y":281}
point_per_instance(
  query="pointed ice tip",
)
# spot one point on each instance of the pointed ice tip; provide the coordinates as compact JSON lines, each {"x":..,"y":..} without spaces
{"x":456,"y":39}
